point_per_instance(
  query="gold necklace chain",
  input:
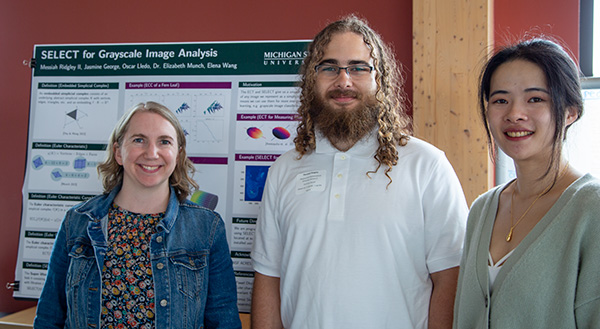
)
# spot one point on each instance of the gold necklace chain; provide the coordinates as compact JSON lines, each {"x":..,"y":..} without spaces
{"x":512,"y":201}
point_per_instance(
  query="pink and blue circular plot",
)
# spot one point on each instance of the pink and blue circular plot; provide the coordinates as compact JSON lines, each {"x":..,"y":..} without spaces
{"x":281,"y":133}
{"x":254,"y":132}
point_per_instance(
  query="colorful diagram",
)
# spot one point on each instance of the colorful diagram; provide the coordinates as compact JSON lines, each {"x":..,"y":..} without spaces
{"x":281,"y":133}
{"x":182,"y":108}
{"x":214,"y":107}
{"x":255,"y":179}
{"x":213,"y":178}
{"x":278,"y":132}
{"x":254,"y":132}
{"x":205,"y":199}
{"x":272,"y":136}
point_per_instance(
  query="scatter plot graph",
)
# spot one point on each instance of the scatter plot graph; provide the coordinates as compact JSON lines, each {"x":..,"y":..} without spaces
{"x":211,"y":106}
{"x":200,"y":118}
{"x":255,"y":179}
{"x":281,"y":133}
{"x":254,"y":132}
{"x":184,"y":107}
{"x":203,"y":114}
{"x":181,"y":109}
{"x":74,"y":117}
{"x":214,"y":107}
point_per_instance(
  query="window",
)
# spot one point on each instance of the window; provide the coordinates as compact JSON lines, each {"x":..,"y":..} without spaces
{"x":589,"y":37}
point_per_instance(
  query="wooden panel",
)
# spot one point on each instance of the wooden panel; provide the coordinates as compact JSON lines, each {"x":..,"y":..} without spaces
{"x":245,"y":317}
{"x":451,"y":41}
{"x":21,"y":319}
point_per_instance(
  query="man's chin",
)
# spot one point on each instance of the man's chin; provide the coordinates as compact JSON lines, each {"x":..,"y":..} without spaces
{"x":343,"y":106}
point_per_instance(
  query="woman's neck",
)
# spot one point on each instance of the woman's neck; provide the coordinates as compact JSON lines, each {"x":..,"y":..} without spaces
{"x":151,"y":201}
{"x":531,"y":180}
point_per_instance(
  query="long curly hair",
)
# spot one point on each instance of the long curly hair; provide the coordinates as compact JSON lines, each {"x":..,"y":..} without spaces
{"x":394,"y":123}
{"x":112,"y":172}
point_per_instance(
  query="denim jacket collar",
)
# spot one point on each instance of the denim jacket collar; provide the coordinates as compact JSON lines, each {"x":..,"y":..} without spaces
{"x":97,"y":209}
{"x":194,"y":283}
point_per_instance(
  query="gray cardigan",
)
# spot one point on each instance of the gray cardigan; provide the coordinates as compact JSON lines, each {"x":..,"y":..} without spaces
{"x":552,"y":279}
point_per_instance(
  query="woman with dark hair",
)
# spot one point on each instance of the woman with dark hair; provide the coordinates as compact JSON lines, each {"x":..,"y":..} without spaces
{"x":141,"y":255}
{"x":532,"y":251}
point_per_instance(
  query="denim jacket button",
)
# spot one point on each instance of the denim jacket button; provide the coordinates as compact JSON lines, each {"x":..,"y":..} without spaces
{"x":160,"y":266}
{"x":159,"y":239}
{"x":163,"y":303}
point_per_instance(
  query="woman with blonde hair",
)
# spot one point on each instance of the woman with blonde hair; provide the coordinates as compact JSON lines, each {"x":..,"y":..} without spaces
{"x":140,"y":255}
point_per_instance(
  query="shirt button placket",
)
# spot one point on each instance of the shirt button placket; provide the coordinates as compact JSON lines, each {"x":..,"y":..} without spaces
{"x":338,"y":187}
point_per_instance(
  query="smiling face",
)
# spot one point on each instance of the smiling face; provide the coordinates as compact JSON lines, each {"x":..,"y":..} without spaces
{"x":345,"y":108}
{"x":519,"y":111}
{"x":148,"y":152}
{"x":344,"y":92}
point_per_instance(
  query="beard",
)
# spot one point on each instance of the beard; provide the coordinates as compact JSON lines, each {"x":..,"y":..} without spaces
{"x":344,"y":124}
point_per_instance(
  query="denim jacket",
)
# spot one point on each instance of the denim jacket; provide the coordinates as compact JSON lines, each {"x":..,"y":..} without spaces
{"x":194,"y":284}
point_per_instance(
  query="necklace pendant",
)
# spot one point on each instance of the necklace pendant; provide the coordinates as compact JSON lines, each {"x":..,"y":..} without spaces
{"x":509,"y":236}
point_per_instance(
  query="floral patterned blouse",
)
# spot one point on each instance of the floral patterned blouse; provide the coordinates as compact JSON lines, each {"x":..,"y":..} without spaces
{"x":127,"y":286}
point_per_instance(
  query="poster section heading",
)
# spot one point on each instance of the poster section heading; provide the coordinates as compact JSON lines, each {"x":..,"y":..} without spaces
{"x":261,"y":58}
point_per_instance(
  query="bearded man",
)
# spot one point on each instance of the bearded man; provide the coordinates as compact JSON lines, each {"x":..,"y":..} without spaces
{"x":361,"y":226}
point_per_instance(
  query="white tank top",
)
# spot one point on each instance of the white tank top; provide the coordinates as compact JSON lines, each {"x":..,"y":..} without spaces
{"x":493,"y":269}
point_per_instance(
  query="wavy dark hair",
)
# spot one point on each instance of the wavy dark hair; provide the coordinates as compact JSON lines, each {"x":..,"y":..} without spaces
{"x":563,"y":80}
{"x":111,"y":171}
{"x":394,"y":122}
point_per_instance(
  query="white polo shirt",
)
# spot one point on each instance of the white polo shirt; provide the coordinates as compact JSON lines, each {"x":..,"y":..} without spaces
{"x":351,"y":251}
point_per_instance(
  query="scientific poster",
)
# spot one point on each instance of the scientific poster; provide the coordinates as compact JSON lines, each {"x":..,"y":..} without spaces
{"x":236,"y":101}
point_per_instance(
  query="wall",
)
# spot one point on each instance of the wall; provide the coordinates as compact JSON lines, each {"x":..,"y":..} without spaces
{"x":516,"y":18}
{"x":25,"y":23}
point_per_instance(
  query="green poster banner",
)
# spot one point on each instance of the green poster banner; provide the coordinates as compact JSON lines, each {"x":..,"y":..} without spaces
{"x":240,"y":58}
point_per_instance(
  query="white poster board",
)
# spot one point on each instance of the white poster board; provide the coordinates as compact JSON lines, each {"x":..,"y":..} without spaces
{"x":236,"y":101}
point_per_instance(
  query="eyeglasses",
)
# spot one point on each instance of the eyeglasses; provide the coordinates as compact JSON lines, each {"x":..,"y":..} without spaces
{"x":331,"y":71}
